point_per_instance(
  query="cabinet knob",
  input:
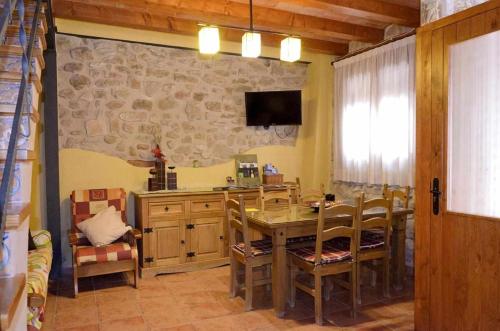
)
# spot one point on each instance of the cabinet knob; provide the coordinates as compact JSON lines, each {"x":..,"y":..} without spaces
{"x":183,"y":242}
{"x":166,"y":208}
{"x":207,"y":205}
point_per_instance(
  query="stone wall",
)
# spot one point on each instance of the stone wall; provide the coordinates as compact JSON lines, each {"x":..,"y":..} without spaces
{"x":119,"y":98}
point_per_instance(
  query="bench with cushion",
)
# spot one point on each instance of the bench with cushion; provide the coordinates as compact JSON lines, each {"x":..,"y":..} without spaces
{"x":39,"y":264}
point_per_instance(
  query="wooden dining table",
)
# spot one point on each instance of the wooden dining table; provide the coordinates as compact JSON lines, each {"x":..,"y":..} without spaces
{"x":299,"y":221}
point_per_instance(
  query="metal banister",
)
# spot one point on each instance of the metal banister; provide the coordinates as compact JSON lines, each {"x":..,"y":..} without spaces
{"x":27,"y":46}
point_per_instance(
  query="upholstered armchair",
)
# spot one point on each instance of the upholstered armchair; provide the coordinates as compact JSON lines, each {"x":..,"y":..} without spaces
{"x":119,"y":256}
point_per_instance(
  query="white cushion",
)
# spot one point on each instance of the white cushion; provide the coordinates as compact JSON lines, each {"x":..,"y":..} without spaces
{"x":104,"y":227}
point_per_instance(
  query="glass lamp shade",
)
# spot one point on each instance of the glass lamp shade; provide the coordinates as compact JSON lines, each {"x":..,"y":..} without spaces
{"x":290,"y":49}
{"x":208,"y":40}
{"x":250,"y":44}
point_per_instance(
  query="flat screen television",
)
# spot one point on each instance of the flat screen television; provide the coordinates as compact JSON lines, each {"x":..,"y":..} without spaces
{"x":273,"y":108}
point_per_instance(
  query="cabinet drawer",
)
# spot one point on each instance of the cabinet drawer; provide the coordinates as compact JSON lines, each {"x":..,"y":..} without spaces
{"x":172,"y":208}
{"x":200,"y":206}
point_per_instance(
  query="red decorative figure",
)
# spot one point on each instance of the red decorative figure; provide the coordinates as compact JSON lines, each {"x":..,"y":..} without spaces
{"x":157,"y":153}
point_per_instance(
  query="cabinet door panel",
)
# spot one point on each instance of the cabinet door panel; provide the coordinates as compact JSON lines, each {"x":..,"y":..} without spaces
{"x":168,"y":243}
{"x":206,"y":239}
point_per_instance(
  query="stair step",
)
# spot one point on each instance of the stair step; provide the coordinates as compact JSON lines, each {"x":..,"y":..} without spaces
{"x":20,"y":190}
{"x":6,"y":50}
{"x":26,"y":139}
{"x":21,"y":155}
{"x":17,"y":212}
{"x":13,"y":63}
{"x":9,"y":92}
{"x":13,"y":32}
{"x":10,"y":76}
{"x":28,"y":20}
{"x":28,"y":17}
{"x":12,"y":289}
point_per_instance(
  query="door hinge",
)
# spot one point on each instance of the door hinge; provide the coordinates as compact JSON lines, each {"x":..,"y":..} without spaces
{"x":190,"y":254}
{"x":148,"y":259}
{"x":189,"y":226}
{"x":148,"y":230}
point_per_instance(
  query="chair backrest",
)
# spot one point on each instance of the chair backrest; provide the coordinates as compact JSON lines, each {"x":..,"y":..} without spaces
{"x":324,"y":234}
{"x":310,"y":194}
{"x":237,"y":223}
{"x":378,"y":222}
{"x":402,"y":195}
{"x":87,"y":203}
{"x":275,"y":199}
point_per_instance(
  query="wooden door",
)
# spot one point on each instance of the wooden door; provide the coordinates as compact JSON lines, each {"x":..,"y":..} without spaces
{"x":168,"y":242}
{"x":457,"y":266}
{"x":206,"y":238}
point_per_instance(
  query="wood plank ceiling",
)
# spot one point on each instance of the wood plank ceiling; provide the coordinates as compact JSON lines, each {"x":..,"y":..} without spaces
{"x":324,"y":26}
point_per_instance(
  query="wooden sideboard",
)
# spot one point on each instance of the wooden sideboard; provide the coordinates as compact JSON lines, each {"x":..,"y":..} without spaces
{"x":185,"y":230}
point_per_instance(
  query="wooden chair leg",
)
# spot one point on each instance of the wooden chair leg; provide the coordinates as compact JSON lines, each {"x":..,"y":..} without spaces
{"x":293,"y":293}
{"x":75,"y":280}
{"x":75,"y":272}
{"x":136,"y":274}
{"x":327,"y":288}
{"x":233,"y":282}
{"x":268,"y":275}
{"x":373,"y":280}
{"x":358,"y":282}
{"x":354,"y":289}
{"x":248,"y":287}
{"x":386,"y":277}
{"x":318,"y":312}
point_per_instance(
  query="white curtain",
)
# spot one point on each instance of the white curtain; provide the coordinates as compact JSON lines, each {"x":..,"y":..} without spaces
{"x":474,"y":126}
{"x":374,"y":116}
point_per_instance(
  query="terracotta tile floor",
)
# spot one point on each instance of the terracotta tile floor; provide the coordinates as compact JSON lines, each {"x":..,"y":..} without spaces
{"x":199,"y":301}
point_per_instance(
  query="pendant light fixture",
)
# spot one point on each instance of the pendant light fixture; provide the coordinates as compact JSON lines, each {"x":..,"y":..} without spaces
{"x":250,"y":42}
{"x":208,"y":40}
{"x":290,"y":49}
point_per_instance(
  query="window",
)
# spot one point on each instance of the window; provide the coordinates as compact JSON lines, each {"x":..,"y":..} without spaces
{"x":473,"y":178}
{"x":374,"y":121}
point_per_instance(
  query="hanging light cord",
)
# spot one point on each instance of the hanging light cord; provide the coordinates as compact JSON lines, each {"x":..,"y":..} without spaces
{"x":251,"y":16}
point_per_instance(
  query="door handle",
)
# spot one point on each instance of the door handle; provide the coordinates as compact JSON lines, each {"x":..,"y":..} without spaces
{"x":436,"y":194}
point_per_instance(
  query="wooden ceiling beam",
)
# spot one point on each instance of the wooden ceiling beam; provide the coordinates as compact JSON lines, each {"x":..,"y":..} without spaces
{"x":231,"y":13}
{"x":356,"y":11}
{"x":135,"y":19}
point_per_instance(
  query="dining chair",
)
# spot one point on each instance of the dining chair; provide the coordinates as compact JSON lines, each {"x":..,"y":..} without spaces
{"x":324,"y":259}
{"x":373,"y":239}
{"x":401,"y":195}
{"x":310,"y":194}
{"x":251,"y":254}
{"x":273,"y":200}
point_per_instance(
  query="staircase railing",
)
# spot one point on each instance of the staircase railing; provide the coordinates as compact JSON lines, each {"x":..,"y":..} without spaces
{"x":22,"y":101}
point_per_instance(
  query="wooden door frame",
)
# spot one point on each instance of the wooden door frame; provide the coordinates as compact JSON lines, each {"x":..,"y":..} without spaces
{"x":424,"y":222}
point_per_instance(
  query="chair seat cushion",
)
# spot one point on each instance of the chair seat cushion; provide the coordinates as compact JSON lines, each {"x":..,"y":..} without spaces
{"x":329,"y":254}
{"x":301,"y":239}
{"x":118,"y":251}
{"x":259,"y":247}
{"x":371,"y":239}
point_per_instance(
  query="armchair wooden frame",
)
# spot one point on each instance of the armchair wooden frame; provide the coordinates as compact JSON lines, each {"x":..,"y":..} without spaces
{"x":102,"y":268}
{"x":318,"y":269}
{"x":238,"y":226}
{"x":381,"y":253}
{"x":274,"y":199}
